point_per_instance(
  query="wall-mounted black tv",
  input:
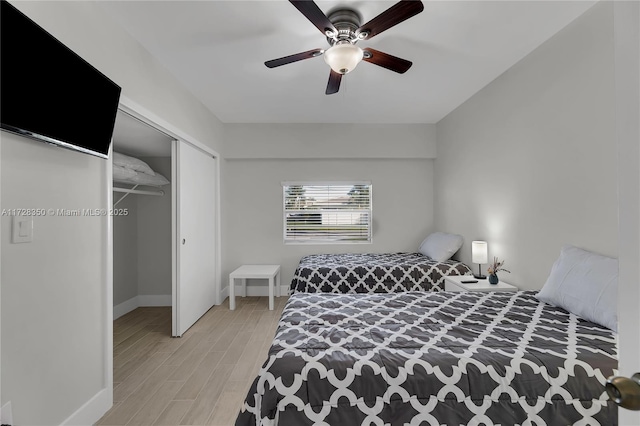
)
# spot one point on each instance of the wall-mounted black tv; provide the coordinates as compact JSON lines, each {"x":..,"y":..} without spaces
{"x":48,"y":92}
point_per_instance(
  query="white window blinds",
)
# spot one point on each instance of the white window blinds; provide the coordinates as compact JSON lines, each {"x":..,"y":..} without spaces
{"x":327,"y":212}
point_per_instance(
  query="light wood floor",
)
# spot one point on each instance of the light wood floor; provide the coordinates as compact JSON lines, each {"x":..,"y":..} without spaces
{"x":198,"y":379}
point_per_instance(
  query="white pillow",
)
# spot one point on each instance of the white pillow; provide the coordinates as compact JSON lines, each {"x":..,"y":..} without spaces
{"x":441,"y":246}
{"x":132,"y":163}
{"x":145,"y":179}
{"x":121,"y":173}
{"x":585,"y":284}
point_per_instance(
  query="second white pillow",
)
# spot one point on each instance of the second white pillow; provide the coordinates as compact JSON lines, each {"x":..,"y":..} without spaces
{"x":440,"y":246}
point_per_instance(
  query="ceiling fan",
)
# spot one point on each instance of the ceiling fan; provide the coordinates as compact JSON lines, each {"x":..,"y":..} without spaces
{"x":343,"y":30}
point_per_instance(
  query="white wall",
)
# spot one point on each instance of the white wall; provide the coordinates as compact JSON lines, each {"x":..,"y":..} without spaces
{"x":125,"y":250}
{"x":529,"y":162}
{"x":54,"y":316}
{"x":337,"y":141}
{"x":53,"y":289}
{"x":154,"y":238}
{"x":396,"y":159}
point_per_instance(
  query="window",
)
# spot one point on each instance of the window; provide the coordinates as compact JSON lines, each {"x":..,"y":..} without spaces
{"x":327,"y":212}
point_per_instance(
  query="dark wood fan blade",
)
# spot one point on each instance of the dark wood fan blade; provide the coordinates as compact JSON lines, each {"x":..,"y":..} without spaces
{"x":334,"y":83}
{"x":293,"y":58}
{"x":313,"y":13}
{"x":397,"y":13}
{"x":387,"y":61}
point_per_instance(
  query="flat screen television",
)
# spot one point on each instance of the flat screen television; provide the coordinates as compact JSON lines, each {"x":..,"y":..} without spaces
{"x":48,"y":92}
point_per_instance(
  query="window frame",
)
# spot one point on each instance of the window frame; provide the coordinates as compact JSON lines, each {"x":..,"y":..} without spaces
{"x":288,"y":241}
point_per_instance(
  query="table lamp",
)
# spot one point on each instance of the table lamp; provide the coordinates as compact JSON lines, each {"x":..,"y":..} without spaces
{"x":479,"y":255}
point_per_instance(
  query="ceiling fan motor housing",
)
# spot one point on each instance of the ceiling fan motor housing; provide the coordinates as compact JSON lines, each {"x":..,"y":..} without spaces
{"x":346,"y":21}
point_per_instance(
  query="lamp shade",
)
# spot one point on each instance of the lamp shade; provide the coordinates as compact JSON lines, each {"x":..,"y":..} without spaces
{"x":343,"y":58}
{"x":479,"y":252}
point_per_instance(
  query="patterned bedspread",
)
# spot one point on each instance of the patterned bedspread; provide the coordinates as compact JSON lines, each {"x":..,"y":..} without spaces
{"x":372,"y":273}
{"x":432,"y":358}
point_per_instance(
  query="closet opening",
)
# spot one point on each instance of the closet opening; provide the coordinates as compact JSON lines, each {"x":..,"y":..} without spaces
{"x":142,"y":232}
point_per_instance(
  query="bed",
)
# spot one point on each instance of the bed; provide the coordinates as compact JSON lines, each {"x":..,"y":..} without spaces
{"x":437,"y":358}
{"x":372,"y":273}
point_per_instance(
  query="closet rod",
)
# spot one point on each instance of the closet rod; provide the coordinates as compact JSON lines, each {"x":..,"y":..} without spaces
{"x":133,"y":190}
{"x":138,"y":191}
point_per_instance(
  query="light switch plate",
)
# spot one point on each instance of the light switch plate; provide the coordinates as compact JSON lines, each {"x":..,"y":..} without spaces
{"x":22,"y":229}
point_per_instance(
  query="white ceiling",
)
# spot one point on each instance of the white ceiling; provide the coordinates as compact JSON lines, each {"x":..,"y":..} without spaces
{"x":217,"y":50}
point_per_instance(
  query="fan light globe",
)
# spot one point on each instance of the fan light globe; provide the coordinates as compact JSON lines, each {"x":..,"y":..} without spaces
{"x":343,"y":58}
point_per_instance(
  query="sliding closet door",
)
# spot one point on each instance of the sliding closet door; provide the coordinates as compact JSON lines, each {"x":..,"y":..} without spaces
{"x":194,"y":290}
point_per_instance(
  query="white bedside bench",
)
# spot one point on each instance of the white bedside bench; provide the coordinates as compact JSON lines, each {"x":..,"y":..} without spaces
{"x":266,"y":272}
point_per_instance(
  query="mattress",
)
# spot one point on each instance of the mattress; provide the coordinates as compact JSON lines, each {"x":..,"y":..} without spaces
{"x":372,"y":273}
{"x":437,"y":358}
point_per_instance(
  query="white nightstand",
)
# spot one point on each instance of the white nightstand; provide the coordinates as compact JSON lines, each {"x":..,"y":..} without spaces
{"x":454,"y":283}
{"x":267,"y":272}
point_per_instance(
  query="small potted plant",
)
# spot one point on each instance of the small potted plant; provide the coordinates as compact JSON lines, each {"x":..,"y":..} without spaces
{"x":493,"y":270}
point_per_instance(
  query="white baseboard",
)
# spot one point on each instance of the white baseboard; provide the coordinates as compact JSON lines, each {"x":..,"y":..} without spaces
{"x":154,"y":300}
{"x":224,"y":293}
{"x":141,"y":300}
{"x":125,"y":307}
{"x":92,"y":410}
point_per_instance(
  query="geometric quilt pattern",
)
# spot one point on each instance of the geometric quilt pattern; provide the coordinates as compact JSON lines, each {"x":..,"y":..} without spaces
{"x":372,"y":273}
{"x":432,"y":358}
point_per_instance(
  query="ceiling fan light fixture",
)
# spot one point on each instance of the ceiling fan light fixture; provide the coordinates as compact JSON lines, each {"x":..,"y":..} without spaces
{"x":343,"y":57}
{"x":343,"y":28}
